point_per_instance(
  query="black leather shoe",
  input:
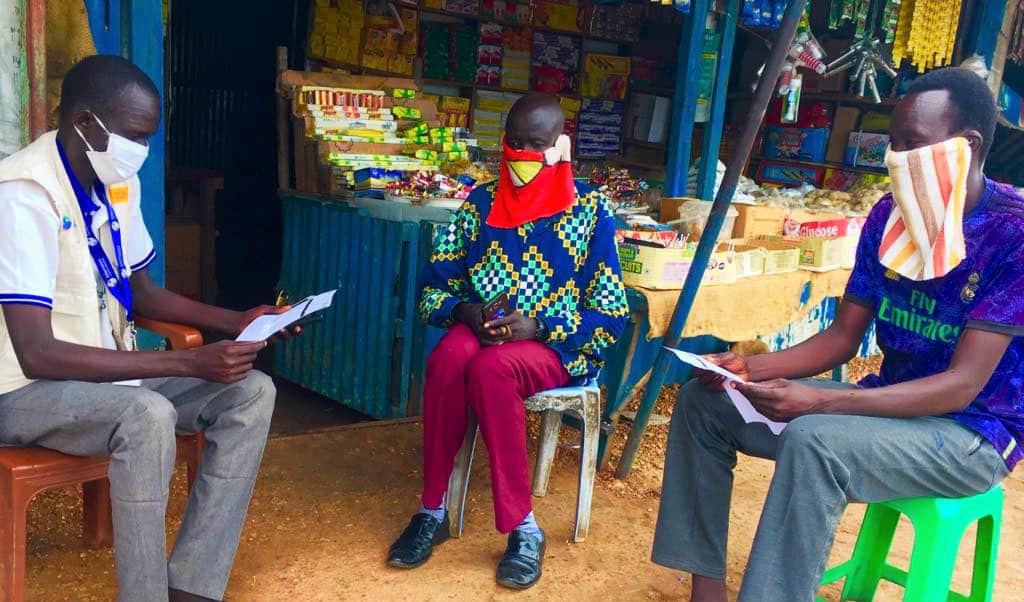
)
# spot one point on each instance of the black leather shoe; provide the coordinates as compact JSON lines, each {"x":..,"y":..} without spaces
{"x":415,"y":545}
{"x":177,"y":595}
{"x":520,"y":566}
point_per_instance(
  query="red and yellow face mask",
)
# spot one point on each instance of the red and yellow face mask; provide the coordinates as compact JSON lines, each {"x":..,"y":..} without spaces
{"x":533,"y":185}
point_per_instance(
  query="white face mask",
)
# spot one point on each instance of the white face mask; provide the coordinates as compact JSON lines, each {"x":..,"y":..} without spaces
{"x":122,"y":159}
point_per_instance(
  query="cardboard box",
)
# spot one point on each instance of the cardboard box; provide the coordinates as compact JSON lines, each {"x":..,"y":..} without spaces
{"x":866,"y":149}
{"x":822,"y":254}
{"x":654,"y":267}
{"x":811,"y":224}
{"x":748,"y":259}
{"x":805,"y":144}
{"x":753,"y":221}
{"x":780,"y":256}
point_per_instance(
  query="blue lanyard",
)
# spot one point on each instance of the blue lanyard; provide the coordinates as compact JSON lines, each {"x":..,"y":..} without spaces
{"x":116,"y":280}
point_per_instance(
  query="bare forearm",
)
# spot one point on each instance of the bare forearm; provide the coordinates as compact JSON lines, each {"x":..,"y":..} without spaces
{"x":158,"y":303}
{"x":942,"y":393}
{"x":819,"y":354}
{"x":58,"y":360}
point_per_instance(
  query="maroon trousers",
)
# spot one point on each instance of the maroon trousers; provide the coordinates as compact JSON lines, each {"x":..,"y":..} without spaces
{"x":493,"y":381}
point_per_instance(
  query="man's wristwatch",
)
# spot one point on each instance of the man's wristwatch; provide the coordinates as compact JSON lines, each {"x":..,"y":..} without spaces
{"x":543,"y":334}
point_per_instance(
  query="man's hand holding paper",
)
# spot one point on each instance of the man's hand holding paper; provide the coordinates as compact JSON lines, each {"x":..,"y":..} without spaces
{"x":731,"y":382}
{"x":782,"y":400}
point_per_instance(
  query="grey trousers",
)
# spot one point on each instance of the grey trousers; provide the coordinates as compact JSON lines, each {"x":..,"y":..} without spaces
{"x":135,"y":427}
{"x":823,"y":462}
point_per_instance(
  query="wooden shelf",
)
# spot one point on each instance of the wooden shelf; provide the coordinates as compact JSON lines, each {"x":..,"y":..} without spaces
{"x":454,"y":84}
{"x":848,"y":99}
{"x":445,"y":13}
{"x":626,"y":161}
{"x":836,"y":97}
{"x":660,"y":146}
{"x":542,"y":28}
{"x":827,"y":164}
{"x":655,"y":90}
{"x":443,"y":82}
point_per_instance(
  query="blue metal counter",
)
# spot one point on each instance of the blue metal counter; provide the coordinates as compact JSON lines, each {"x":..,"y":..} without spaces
{"x":368,"y":351}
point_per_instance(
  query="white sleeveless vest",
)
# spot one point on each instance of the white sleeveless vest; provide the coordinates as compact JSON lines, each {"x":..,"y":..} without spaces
{"x":76,"y":315}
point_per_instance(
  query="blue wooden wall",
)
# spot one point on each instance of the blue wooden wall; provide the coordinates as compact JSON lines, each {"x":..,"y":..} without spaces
{"x":134,"y":29}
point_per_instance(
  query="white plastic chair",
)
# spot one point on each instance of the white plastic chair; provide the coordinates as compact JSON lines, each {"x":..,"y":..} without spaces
{"x":583,"y":402}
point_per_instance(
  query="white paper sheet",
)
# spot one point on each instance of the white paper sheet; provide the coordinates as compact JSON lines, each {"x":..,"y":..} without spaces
{"x":264,"y":327}
{"x":743,"y":405}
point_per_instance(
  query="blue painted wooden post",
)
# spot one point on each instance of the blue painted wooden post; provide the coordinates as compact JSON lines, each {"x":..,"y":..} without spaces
{"x":713,"y":128}
{"x":134,"y":29}
{"x":708,"y":239}
{"x":105,"y":24}
{"x":684,"y":101}
{"x":145,"y":45}
{"x":988,"y":27}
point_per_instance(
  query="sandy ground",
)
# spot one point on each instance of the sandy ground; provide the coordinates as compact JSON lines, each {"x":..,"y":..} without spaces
{"x":328,"y":505}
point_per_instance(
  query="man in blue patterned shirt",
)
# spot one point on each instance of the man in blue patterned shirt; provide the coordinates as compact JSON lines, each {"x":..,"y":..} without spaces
{"x":550,"y":247}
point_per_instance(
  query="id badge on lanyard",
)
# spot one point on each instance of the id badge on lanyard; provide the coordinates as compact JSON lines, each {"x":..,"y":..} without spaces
{"x":114,"y":278}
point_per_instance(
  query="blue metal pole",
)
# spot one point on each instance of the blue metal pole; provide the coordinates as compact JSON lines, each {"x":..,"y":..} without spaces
{"x":713,"y":128}
{"x":708,"y":240}
{"x":684,"y":101}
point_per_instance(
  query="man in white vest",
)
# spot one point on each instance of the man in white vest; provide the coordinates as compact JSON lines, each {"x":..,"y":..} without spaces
{"x":73,"y":257}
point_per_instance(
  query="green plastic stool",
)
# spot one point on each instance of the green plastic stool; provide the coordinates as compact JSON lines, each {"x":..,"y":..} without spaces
{"x":939,"y":525}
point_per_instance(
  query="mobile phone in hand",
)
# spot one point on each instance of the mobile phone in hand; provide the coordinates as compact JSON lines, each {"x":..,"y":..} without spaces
{"x":497,"y":308}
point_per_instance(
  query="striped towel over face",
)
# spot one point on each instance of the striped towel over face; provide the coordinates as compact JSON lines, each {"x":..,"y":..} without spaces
{"x":924,"y":237}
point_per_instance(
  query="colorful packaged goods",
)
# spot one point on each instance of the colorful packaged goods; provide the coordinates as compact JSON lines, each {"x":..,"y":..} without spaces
{"x":620,"y":22}
{"x":619,"y":186}
{"x":462,"y":7}
{"x":600,"y":128}
{"x":436,"y":41}
{"x":926,"y":33}
{"x":465,"y":40}
{"x":605,"y":76}
{"x":513,"y":12}
{"x":562,"y":15}
{"x":336,"y":32}
{"x":339,"y":97}
{"x":515,"y":63}
{"x":453,"y":111}
{"x":406,"y":112}
{"x":515,"y":70}
{"x":390,"y":42}
{"x":425,"y":185}
{"x":555,"y":59}
{"x":489,"y":117}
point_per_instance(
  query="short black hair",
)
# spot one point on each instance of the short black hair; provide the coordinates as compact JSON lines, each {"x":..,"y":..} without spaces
{"x":970,"y":96}
{"x":98,"y":81}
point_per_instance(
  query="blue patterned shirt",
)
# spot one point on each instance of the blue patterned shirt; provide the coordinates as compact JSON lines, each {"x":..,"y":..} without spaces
{"x":562,"y":269}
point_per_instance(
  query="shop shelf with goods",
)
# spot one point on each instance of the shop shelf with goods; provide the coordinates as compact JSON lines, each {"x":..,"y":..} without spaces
{"x":554,"y":31}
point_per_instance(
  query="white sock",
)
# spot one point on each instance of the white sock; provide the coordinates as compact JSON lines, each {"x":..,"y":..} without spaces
{"x":437,"y":513}
{"x":529,"y":525}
